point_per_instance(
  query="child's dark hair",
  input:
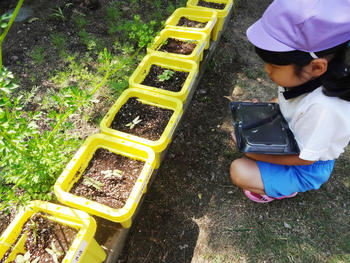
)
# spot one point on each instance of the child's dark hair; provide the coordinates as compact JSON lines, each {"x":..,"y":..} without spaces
{"x":336,"y":80}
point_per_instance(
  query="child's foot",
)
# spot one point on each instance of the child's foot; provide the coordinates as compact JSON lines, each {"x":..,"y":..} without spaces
{"x":257,"y":197}
{"x":287,"y":196}
{"x":264,"y":198}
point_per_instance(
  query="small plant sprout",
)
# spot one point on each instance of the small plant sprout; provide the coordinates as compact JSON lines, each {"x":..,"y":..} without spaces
{"x":33,"y":227}
{"x":54,"y":252}
{"x":113,"y":173}
{"x":92,"y":182}
{"x":135,"y":121}
{"x":25,"y":258}
{"x":166,"y":75}
{"x":190,"y":41}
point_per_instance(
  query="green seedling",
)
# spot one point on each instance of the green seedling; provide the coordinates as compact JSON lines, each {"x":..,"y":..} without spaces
{"x":166,"y":75}
{"x":34,"y":229}
{"x":25,"y":258}
{"x":135,"y":121}
{"x":54,"y":252}
{"x":113,"y":173}
{"x":92,"y":182}
{"x":190,"y":41}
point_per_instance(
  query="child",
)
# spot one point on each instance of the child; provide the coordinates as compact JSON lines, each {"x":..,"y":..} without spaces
{"x":304,"y":45}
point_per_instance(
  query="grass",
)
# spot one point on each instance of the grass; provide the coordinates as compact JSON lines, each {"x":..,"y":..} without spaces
{"x":58,"y":40}
{"x":38,"y":55}
{"x":254,"y":72}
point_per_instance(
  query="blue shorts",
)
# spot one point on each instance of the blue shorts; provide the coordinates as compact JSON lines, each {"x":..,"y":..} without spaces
{"x":283,"y":180}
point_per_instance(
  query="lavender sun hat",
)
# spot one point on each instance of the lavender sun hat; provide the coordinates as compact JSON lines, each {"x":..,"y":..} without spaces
{"x":306,"y":25}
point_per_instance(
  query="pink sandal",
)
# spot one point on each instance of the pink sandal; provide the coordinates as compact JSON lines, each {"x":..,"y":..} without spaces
{"x":287,"y":196}
{"x":264,"y":198}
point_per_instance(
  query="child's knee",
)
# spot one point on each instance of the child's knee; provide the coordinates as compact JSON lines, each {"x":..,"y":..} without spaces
{"x":236,"y":172}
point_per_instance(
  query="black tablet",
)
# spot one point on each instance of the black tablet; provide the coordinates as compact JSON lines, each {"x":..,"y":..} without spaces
{"x":261,"y":128}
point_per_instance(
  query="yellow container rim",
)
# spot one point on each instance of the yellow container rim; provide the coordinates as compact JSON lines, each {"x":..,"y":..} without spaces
{"x":150,"y":98}
{"x":184,"y":35}
{"x":201,"y":15}
{"x":76,"y":167}
{"x":77,"y":219}
{"x":165,"y":62}
{"x":220,"y":13}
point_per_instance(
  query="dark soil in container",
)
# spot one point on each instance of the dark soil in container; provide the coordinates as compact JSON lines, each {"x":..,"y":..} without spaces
{"x":45,"y":235}
{"x":6,"y":218}
{"x":153,"y":119}
{"x":190,"y":23}
{"x":108,"y":178}
{"x":211,"y":5}
{"x":178,"y":46}
{"x":174,"y":83}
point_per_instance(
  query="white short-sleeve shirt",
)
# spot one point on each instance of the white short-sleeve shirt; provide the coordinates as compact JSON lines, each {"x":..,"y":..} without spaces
{"x":320,"y":124}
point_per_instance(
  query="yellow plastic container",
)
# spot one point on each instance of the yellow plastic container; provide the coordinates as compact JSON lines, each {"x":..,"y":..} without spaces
{"x":80,"y":161}
{"x":203,"y":16}
{"x":150,"y":98}
{"x":84,"y":247}
{"x":198,"y":37}
{"x":221,"y":13}
{"x":169,"y":63}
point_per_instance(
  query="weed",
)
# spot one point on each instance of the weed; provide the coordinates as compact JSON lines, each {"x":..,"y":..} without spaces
{"x":136,"y":32}
{"x":170,"y":9}
{"x":113,"y":12}
{"x":157,"y":4}
{"x":118,"y":86}
{"x":33,"y":78}
{"x":88,"y":39}
{"x":80,"y":20}
{"x":254,"y":73}
{"x":58,"y":40}
{"x":32,"y":159}
{"x":166,"y":75}
{"x":58,"y":13}
{"x":206,"y":99}
{"x":38,"y":55}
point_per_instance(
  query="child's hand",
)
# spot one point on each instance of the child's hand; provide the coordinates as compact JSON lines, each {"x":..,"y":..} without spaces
{"x":255,"y":100}
{"x":234,"y":138}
